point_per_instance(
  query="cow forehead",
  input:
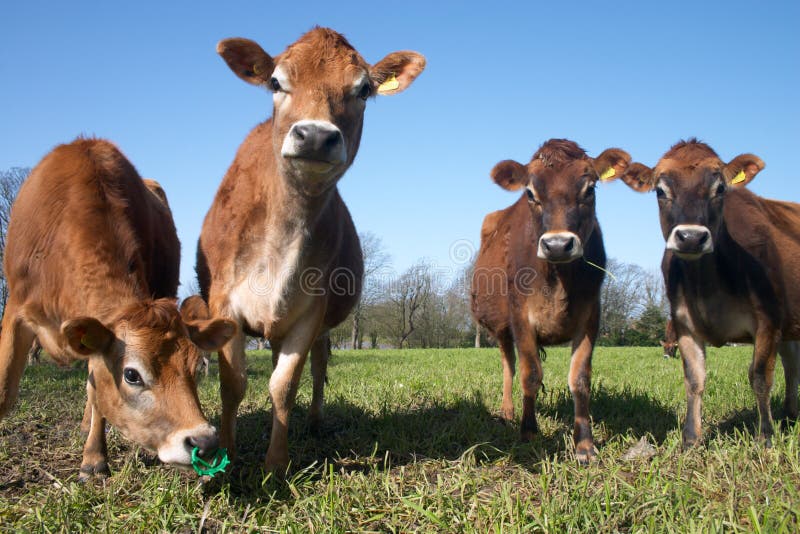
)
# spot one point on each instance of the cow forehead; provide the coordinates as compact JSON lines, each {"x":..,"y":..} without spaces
{"x":685,"y":169}
{"x":322,"y":56}
{"x":564,"y":176}
{"x":162,"y":350}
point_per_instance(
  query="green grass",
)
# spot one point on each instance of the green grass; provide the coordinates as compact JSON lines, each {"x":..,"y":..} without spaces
{"x":412,"y":442}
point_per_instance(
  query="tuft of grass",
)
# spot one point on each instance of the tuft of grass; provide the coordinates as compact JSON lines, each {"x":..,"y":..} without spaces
{"x":412,"y":441}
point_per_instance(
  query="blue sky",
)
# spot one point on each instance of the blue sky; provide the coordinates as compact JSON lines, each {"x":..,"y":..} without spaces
{"x":502,"y":78}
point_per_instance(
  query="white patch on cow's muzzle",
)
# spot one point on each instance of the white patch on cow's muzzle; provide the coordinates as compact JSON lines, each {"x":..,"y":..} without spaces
{"x":175,"y":449}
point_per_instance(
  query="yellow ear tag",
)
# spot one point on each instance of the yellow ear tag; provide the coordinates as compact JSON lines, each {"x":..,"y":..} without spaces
{"x":390,"y":84}
{"x":739,"y":178}
{"x":608,"y":173}
{"x":86,"y":342}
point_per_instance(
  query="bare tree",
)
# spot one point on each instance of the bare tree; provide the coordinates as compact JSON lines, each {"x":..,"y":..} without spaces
{"x":10,"y":182}
{"x":376,"y":261}
{"x":622,"y":299}
{"x":404,"y":298}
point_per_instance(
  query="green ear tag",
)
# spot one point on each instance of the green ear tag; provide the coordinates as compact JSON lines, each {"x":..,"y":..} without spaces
{"x":218,"y":463}
{"x":608,"y":173}
{"x":739,"y":178}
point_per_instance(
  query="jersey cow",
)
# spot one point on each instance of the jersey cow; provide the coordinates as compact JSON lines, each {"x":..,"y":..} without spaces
{"x":91,"y":258}
{"x":731,"y":268}
{"x":278,"y":252}
{"x":533,"y":283}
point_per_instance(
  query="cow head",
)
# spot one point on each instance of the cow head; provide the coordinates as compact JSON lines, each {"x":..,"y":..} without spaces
{"x":320,"y":86}
{"x":143,"y":373}
{"x":690,"y":182}
{"x":559,"y":183}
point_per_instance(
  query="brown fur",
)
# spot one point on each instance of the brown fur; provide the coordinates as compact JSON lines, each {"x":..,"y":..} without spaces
{"x":522,"y":298}
{"x":670,"y":341}
{"x":90,"y":254}
{"x":278,"y":251}
{"x":745,"y":289}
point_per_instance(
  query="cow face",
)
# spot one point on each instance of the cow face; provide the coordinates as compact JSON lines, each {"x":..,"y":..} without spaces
{"x":320,"y":86}
{"x":690,"y":182}
{"x":559,"y":184}
{"x":142,"y":368}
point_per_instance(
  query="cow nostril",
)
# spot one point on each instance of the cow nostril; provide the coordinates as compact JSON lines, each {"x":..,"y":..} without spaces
{"x":703,"y":238}
{"x":332,"y":140}
{"x":300,"y":132}
{"x":570,"y":245}
{"x":205,"y":443}
{"x":681,"y":235}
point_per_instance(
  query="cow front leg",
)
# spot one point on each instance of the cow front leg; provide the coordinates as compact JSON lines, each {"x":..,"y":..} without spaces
{"x":233,"y":384}
{"x":790,"y":356}
{"x":283,"y":386}
{"x":508,"y":357}
{"x":95,"y":452}
{"x":15,"y":341}
{"x":762,"y":374}
{"x":530,"y":375}
{"x":693,"y":355}
{"x":580,"y":382}
{"x":320,"y":354}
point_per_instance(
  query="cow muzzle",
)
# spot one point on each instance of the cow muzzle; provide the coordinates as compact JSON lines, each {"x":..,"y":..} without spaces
{"x":690,"y":241}
{"x":560,"y":247}
{"x":178,"y":447}
{"x":314,"y":146}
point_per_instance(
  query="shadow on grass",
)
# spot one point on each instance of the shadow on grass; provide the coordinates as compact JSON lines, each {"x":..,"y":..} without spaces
{"x":353,"y":440}
{"x":746,"y":421}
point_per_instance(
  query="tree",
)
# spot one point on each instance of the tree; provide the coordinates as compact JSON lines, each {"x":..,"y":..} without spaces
{"x":399,"y":311}
{"x":620,"y":301}
{"x":376,"y":263}
{"x":10,"y":182}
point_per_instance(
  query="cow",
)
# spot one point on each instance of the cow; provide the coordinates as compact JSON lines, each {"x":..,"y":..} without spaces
{"x":92,"y":260}
{"x":539,"y":270}
{"x":278,"y":252}
{"x":670,"y":341}
{"x":731,"y":266}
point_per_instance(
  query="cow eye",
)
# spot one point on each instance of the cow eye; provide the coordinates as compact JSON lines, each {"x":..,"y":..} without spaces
{"x":660,"y":193}
{"x":132,"y":376}
{"x":365,"y":91}
{"x":589,"y":192}
{"x":531,"y":196}
{"x":719,"y":189}
{"x":274,"y":84}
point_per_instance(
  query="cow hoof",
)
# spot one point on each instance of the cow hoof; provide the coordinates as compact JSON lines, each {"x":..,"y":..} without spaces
{"x":586,"y":456}
{"x":526,"y":436}
{"x":315,"y":425}
{"x":98,"y":471}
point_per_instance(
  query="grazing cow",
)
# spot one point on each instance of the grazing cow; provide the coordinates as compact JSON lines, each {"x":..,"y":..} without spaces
{"x":670,"y":341}
{"x":731,"y":267}
{"x":533,"y":284}
{"x":91,"y":259}
{"x":278,"y":252}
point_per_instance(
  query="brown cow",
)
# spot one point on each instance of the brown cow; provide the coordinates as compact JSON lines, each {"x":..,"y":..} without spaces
{"x":533,"y":284}
{"x":89,"y":252}
{"x":670,"y":341}
{"x":278,"y":252}
{"x":731,"y":267}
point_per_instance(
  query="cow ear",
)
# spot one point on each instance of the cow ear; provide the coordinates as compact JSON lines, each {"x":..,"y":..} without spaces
{"x":155,"y":188}
{"x":247,"y":60}
{"x":87,"y":335}
{"x":211,"y":334}
{"x":611,"y":163}
{"x":394,"y":73}
{"x":194,"y":308}
{"x":639,"y":177}
{"x":510,"y":175}
{"x":742,"y":169}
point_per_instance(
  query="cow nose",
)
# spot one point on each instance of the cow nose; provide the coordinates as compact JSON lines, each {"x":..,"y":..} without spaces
{"x":559,"y":245}
{"x":315,"y":140}
{"x":692,"y":239}
{"x":205,"y":443}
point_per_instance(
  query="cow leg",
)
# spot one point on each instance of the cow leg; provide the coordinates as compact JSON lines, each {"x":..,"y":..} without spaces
{"x":15,"y":341}
{"x":233,"y":383}
{"x":283,"y":388}
{"x":95,"y":452}
{"x":320,"y":354}
{"x":762,"y":374}
{"x":530,"y":375}
{"x":506,"y":342}
{"x":580,"y":381}
{"x":790,"y":356}
{"x":693,"y":355}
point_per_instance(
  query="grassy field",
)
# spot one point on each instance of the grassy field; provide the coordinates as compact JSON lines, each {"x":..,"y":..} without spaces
{"x":412,"y":442}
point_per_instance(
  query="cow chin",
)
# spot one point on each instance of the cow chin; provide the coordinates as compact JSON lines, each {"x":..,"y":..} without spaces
{"x":313,"y":177}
